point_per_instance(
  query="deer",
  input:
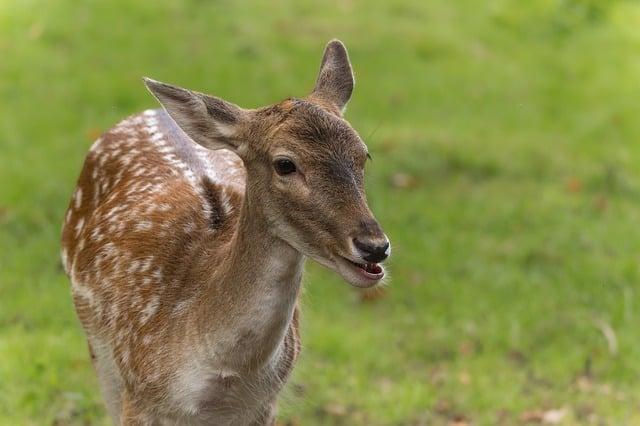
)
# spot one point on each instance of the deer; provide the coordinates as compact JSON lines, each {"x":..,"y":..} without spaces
{"x":186,"y":238}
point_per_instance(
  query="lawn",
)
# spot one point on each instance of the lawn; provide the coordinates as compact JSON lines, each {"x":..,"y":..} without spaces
{"x":506,"y":171}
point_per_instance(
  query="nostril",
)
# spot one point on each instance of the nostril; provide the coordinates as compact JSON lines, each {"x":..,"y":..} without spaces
{"x":366,"y":247}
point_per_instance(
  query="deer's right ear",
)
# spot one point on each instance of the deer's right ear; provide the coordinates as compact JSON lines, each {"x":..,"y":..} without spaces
{"x":209,"y":121}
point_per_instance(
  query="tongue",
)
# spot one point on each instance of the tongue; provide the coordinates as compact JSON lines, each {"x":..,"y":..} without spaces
{"x":373,"y":268}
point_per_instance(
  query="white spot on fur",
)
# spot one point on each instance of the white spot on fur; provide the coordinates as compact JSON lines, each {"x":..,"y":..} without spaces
{"x":64,"y":258}
{"x":150,"y":309}
{"x":144,"y":225}
{"x":133,"y":267}
{"x":96,"y":235}
{"x":110,"y":250}
{"x":157,"y":138}
{"x":96,"y":145}
{"x":79,"y":226}
{"x":189,"y":227}
{"x":157,"y":274}
{"x":83,"y":292}
{"x":182,"y":306}
{"x":96,"y":192}
{"x":136,"y":301}
{"x":146,"y":264}
{"x":77,"y":197}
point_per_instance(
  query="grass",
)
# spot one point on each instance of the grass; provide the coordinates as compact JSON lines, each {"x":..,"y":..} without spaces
{"x":505,"y":144}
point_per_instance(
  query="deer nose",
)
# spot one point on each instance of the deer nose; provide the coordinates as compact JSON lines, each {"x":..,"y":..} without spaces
{"x":372,"y":249}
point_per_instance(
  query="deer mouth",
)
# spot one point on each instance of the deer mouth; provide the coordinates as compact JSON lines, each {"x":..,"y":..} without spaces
{"x":371,"y":269}
{"x":360,"y":274}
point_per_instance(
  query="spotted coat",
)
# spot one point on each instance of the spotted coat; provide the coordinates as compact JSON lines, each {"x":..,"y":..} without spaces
{"x":148,"y":207}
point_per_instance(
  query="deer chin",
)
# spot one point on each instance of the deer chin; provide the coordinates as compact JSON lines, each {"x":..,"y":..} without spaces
{"x":359,"y":274}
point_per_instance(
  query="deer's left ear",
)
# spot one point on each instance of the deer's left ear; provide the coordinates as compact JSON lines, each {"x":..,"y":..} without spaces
{"x":211,"y":122}
{"x":335,"y":81}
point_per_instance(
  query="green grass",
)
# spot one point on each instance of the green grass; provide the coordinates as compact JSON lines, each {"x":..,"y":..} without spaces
{"x":506,"y":153}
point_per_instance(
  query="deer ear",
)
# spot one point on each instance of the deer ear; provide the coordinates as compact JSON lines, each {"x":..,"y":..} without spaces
{"x":335,"y":80}
{"x":209,"y":121}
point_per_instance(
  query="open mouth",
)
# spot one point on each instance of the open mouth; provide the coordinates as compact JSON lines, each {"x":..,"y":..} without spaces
{"x":370,"y":273}
{"x":369,"y":268}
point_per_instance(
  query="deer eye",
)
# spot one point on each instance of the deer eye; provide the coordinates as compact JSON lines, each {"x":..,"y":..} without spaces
{"x":284,"y":166}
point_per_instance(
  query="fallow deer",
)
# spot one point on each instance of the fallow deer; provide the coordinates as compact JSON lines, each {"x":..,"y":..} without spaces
{"x":186,"y":238}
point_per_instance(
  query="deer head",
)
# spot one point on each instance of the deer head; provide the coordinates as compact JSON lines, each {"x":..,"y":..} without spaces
{"x":304,"y":164}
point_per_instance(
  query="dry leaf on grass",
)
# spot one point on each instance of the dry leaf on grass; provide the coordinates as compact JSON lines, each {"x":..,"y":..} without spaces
{"x":93,"y":134}
{"x":573,"y":185}
{"x":459,"y":422}
{"x":35,"y":31}
{"x":467,"y":347}
{"x":385,"y":385}
{"x":335,"y":409}
{"x":403,"y":181}
{"x":609,"y":335}
{"x":464,"y":378}
{"x":547,"y":417}
{"x":372,"y":294}
{"x":584,"y":384}
{"x":600,"y":203}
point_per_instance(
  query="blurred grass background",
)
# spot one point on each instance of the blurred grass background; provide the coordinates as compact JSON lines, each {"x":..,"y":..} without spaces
{"x":506,"y":165}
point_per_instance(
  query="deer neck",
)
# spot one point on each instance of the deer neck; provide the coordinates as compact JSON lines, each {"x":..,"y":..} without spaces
{"x":259,"y":259}
{"x":256,"y":289}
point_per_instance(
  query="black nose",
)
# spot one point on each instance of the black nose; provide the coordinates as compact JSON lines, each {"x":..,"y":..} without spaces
{"x":372,"y":250}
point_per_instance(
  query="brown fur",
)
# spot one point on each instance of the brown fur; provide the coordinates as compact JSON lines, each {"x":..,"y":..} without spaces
{"x":186,"y":263}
